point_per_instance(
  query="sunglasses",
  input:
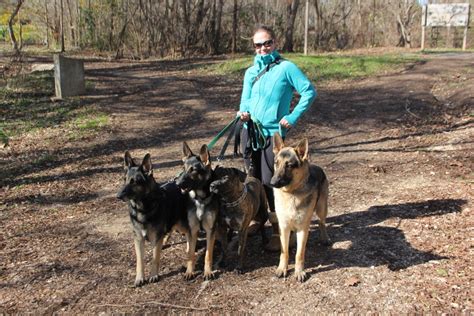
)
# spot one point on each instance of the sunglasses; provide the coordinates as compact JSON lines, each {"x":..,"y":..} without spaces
{"x":266,"y":44}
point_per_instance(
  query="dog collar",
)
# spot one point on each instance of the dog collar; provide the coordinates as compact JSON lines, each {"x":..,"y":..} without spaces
{"x":239,"y":200}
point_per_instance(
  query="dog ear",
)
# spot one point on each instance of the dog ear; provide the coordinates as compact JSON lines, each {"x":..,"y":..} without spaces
{"x":302,"y":149}
{"x":277,"y":143}
{"x":187,"y":151}
{"x":205,"y":156}
{"x":147,"y":166}
{"x":128,"y":161}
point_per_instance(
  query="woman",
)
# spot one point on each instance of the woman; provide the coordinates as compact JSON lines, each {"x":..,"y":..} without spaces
{"x":265,"y":107}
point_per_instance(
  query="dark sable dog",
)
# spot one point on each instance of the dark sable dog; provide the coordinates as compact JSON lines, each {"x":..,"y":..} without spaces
{"x":242,"y":200}
{"x":300,"y":189}
{"x":196,"y":179}
{"x":155,"y":211}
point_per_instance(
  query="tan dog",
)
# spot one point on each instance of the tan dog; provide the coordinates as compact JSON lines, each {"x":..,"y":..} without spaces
{"x":300,"y":188}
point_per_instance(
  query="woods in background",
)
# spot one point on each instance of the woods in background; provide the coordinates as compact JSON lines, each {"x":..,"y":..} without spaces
{"x":158,"y":28}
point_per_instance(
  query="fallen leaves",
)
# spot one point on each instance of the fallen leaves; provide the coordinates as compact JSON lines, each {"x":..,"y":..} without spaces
{"x":352,"y":281}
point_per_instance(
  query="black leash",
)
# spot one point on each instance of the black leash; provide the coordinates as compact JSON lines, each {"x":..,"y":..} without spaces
{"x":267,"y":68}
{"x":233,"y":129}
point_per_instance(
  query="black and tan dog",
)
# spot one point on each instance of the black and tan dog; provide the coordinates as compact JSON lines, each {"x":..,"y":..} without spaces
{"x":300,"y":188}
{"x":196,"y":180}
{"x":243,"y":199}
{"x":155,"y":211}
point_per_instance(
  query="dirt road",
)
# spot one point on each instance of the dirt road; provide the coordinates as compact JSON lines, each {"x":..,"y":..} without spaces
{"x":397,"y":149}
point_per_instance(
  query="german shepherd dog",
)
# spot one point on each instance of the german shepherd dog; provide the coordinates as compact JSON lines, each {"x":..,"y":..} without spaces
{"x":196,"y":180}
{"x":155,"y":211}
{"x":242,"y":200}
{"x":299,"y":188}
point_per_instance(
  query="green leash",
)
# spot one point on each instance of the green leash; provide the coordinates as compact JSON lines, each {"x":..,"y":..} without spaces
{"x":213,"y":142}
{"x":255,"y":129}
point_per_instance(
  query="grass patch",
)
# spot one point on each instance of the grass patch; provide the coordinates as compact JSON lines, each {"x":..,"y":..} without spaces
{"x":447,"y":51}
{"x":87,"y":123}
{"x":327,"y":67}
{"x":25,"y":106}
{"x":36,"y":83}
{"x":3,"y":137}
{"x":91,"y":121}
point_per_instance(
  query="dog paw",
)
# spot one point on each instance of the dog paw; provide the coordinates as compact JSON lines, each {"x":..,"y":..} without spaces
{"x":281,"y":273}
{"x":140,"y":282}
{"x":209,"y":275}
{"x":153,"y":279}
{"x":189,"y":276}
{"x":301,"y":276}
{"x":238,"y":270}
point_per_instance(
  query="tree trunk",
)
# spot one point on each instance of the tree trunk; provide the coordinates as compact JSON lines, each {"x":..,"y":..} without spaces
{"x":63,"y":49}
{"x":20,"y":30}
{"x":78,"y":23}
{"x":405,"y":18}
{"x":212,"y":28}
{"x":235,"y":14}
{"x":187,"y":27}
{"x":11,"y":21}
{"x":291,"y":9}
{"x":318,"y":23}
{"x":47,"y":22}
{"x":217,"y":33}
{"x":196,"y":36}
{"x":71,"y":23}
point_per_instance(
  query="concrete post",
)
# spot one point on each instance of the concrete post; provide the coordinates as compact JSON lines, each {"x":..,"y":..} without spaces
{"x":68,"y":76}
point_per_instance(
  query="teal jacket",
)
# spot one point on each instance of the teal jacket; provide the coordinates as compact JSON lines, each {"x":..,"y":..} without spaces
{"x":269,"y":99}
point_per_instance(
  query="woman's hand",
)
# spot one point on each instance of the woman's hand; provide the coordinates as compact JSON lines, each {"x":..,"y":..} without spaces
{"x":244,"y":116}
{"x":284,"y":123}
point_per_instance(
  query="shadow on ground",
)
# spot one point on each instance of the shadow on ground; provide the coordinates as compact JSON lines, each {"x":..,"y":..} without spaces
{"x":369,"y":244}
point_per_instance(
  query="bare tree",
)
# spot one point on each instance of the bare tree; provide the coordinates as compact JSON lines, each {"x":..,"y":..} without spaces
{"x":235,"y":14}
{"x":291,"y":10}
{"x":405,"y":17}
{"x":11,"y":21}
{"x":46,"y":15}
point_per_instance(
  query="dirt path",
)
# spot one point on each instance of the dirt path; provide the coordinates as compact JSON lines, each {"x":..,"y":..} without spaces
{"x":397,"y":149}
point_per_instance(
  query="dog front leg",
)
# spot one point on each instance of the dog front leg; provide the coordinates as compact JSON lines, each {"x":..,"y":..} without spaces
{"x":210,"y":239}
{"x":282,"y":269}
{"x":242,"y":244}
{"x":155,"y":264}
{"x":191,"y":254}
{"x":301,"y":238}
{"x":222,"y":236}
{"x":140,"y":253}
